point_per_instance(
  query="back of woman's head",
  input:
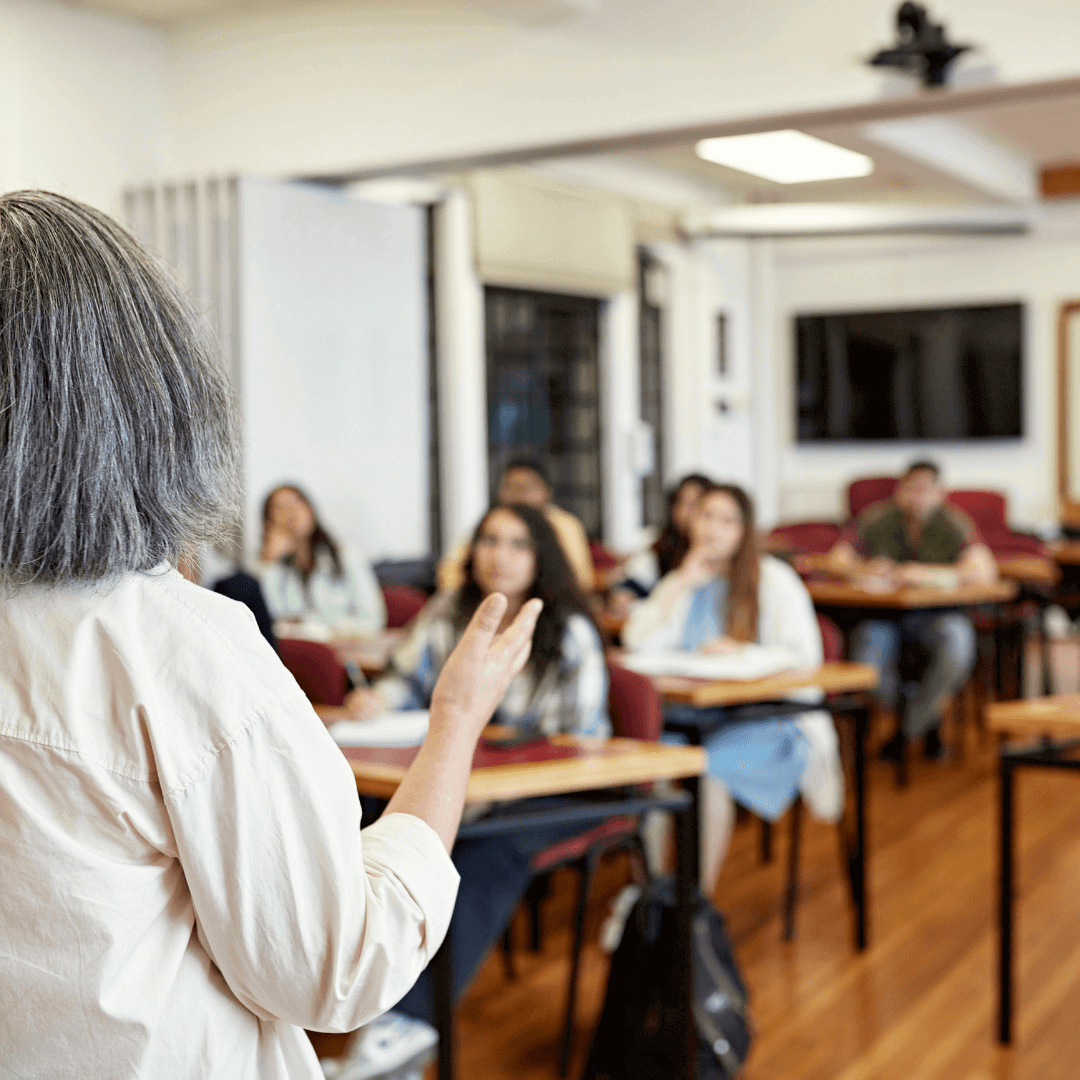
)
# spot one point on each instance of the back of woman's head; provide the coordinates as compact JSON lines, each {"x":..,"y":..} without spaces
{"x":118,"y":446}
{"x":671,"y":544}
{"x":553,"y":582}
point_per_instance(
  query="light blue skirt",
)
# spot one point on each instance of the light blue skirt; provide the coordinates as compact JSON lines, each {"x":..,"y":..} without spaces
{"x":761,"y":762}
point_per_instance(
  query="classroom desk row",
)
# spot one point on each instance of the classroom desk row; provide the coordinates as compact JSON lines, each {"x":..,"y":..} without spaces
{"x":602,"y":778}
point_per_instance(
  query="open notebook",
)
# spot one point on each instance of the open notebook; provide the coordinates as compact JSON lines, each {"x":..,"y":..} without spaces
{"x":387,"y":729}
{"x":751,"y":662}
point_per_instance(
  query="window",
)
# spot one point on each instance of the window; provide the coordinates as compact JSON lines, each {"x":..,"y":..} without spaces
{"x":543,"y":386}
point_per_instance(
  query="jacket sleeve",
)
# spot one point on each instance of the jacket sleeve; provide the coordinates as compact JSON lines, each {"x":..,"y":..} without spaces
{"x":786,"y":619}
{"x":656,"y":623}
{"x":309,"y":920}
{"x":366,"y":593}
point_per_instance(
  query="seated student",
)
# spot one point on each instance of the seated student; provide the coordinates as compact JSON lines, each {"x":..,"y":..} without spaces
{"x":525,"y":484}
{"x":643,"y":570}
{"x":563,"y":688}
{"x":723,"y":595}
{"x":305,"y":574}
{"x":916,"y":538}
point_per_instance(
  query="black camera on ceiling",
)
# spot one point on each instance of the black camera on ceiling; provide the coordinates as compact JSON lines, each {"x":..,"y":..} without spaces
{"x":921,"y":48}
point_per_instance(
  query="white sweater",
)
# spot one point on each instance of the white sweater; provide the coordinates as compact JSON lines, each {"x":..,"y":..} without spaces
{"x":786,"y":621}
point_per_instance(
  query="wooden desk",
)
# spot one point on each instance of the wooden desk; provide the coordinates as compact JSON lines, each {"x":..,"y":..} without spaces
{"x":1065,"y":552}
{"x":842,"y":594}
{"x":834,"y":678}
{"x":507,"y":774}
{"x":752,"y":699}
{"x":564,"y":765}
{"x":1040,"y":718}
{"x":1031,"y":570}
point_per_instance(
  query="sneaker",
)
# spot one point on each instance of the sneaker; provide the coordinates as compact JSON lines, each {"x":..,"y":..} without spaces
{"x":390,"y":1048}
{"x":893,"y":750}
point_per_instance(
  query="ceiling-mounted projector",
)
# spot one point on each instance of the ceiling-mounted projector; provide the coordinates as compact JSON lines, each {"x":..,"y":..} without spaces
{"x":921,"y":48}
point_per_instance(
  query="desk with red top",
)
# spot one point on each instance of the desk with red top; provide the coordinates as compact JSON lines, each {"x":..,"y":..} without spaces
{"x":601,"y":775}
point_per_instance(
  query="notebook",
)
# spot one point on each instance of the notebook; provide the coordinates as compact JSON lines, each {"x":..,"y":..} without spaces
{"x":387,"y":729}
{"x":751,"y":662}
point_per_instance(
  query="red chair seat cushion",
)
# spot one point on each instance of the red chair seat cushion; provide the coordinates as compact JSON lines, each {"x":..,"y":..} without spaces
{"x":574,"y":847}
{"x":403,"y":604}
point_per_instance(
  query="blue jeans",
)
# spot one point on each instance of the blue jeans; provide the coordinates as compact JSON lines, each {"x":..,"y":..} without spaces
{"x":495,"y":873}
{"x":949,"y":639}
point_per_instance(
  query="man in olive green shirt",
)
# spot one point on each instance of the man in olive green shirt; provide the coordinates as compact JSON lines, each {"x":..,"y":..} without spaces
{"x":916,"y":538}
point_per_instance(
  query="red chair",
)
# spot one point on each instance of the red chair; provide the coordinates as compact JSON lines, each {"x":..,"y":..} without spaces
{"x":636,"y":713}
{"x":869,"y":490}
{"x":989,"y":511}
{"x":802,"y":538}
{"x":602,"y":559}
{"x":403,"y":604}
{"x":316,"y":669}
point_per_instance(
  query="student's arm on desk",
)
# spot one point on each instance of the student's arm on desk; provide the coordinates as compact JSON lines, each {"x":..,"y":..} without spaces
{"x":976,"y":566}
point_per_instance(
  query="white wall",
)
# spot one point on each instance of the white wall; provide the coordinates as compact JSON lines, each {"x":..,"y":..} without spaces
{"x":1041,"y":270}
{"x":82,"y":101}
{"x":334,"y":361}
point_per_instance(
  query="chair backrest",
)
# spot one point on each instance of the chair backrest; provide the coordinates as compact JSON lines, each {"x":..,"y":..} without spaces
{"x":634,"y":705}
{"x":988,"y":509}
{"x":403,"y":604}
{"x":316,"y":669}
{"x":869,"y":490}
{"x":602,"y":559}
{"x":807,"y":537}
{"x":832,"y":641}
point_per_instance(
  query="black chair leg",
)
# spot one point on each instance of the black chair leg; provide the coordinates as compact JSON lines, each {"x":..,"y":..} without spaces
{"x":508,"y":953}
{"x":791,"y":894}
{"x":766,"y":841}
{"x":586,"y":868}
{"x":534,"y":895}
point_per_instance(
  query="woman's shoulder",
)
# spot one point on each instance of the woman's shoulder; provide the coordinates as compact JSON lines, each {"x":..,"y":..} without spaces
{"x":779,"y":577}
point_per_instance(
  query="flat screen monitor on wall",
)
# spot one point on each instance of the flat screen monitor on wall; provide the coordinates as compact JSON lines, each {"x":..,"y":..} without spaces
{"x":934,"y":373}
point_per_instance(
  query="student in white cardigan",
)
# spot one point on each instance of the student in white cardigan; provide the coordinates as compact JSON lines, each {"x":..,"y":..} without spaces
{"x":722,"y":596}
{"x":305,"y":574}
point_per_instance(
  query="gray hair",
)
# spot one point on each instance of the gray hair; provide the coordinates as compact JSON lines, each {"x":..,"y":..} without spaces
{"x":118,"y":435}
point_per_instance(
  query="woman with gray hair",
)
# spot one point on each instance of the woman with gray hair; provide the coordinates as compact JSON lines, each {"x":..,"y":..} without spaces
{"x":185,"y":884}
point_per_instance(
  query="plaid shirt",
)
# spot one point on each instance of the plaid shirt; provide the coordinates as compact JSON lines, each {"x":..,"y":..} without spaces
{"x":570,"y":698}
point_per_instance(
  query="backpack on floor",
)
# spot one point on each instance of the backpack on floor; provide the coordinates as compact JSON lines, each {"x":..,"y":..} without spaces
{"x":640,"y":1036}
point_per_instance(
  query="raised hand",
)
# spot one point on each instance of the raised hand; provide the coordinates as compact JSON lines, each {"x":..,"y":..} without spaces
{"x":477,"y":673}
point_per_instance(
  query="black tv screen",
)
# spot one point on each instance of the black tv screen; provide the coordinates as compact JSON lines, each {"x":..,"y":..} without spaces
{"x":934,"y":373}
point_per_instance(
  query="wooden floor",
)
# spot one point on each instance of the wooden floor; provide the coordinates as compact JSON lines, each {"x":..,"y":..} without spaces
{"x":918,"y":1005}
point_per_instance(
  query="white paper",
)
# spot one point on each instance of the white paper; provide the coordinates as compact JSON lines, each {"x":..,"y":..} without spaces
{"x":751,"y":662}
{"x":386,"y":729}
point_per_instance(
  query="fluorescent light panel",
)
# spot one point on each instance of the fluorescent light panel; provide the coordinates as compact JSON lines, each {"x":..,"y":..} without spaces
{"x":785,"y":157}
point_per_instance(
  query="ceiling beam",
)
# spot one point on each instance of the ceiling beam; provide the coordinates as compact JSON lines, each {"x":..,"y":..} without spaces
{"x":919,"y":103}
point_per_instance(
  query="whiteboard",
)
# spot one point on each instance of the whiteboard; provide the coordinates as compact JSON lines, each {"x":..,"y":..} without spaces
{"x":333,"y":361}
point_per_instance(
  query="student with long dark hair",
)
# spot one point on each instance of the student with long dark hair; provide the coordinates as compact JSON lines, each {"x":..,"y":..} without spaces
{"x":723,"y":596}
{"x":563,"y":688}
{"x":643,"y":570}
{"x":306,"y":574}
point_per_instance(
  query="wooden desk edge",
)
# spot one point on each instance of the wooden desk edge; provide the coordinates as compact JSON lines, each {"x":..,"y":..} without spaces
{"x":559,"y":776}
{"x":834,"y":678}
{"x":1055,"y":715}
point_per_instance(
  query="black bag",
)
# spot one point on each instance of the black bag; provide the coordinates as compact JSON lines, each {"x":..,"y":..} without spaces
{"x":641,"y":1035}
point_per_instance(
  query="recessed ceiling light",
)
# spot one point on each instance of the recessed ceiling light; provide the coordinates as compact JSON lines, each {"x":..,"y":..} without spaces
{"x":786,"y":157}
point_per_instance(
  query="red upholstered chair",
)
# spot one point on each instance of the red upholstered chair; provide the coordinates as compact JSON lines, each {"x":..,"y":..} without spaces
{"x":636,"y":713}
{"x":403,"y":604}
{"x":602,"y":559}
{"x":317,"y":670}
{"x":869,"y":490}
{"x":804,"y":537}
{"x":989,"y":511}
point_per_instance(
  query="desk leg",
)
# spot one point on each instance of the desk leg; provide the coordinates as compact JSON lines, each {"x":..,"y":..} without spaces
{"x":858,"y":866}
{"x":1005,"y":944}
{"x":442,"y":984}
{"x":1044,"y":654}
{"x":687,"y":881}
